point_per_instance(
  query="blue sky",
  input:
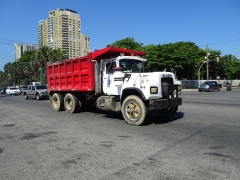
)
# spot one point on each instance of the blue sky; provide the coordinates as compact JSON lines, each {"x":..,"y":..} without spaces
{"x":212,"y":22}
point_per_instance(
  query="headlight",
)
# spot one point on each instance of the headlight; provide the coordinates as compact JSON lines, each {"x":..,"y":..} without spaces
{"x":153,"y":90}
{"x":179,"y":87}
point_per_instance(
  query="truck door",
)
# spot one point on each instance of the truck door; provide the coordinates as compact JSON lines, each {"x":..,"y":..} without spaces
{"x":109,"y":87}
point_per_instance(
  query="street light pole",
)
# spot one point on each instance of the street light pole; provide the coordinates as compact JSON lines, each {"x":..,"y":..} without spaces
{"x":207,"y":53}
{"x":199,"y":72}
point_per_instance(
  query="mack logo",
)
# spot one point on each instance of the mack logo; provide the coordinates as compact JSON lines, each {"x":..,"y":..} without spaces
{"x":167,"y":75}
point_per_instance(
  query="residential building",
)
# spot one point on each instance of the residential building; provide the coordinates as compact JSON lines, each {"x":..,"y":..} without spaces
{"x":42,"y":33}
{"x":62,"y":29}
{"x":85,"y":45}
{"x":19,"y":49}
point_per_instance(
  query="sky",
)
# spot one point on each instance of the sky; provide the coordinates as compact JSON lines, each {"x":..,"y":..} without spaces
{"x":212,"y":22}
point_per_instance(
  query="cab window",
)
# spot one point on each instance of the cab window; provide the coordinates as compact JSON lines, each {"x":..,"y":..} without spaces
{"x":110,"y":66}
{"x":130,"y":65}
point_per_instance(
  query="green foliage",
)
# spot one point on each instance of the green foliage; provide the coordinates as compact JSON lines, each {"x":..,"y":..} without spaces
{"x":184,"y":57}
{"x":27,"y":56}
{"x":128,"y":43}
{"x":27,"y":66}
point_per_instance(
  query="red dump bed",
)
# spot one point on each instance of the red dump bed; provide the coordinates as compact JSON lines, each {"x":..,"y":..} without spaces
{"x":78,"y":74}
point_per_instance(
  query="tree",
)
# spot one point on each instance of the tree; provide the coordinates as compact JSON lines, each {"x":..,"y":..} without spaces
{"x":8,"y":68}
{"x":57,"y":55}
{"x":27,"y":56}
{"x":30,"y":70}
{"x":128,"y":43}
{"x":183,"y":57}
{"x":3,"y":78}
{"x":231,"y":66}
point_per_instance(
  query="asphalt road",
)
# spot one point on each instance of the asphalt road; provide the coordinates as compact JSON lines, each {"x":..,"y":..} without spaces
{"x":201,"y":141}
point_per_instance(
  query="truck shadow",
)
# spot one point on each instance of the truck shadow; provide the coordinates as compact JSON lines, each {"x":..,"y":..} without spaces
{"x":158,"y":119}
{"x":151,"y":119}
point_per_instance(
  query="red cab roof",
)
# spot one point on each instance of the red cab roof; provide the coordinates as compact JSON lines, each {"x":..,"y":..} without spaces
{"x":109,"y":52}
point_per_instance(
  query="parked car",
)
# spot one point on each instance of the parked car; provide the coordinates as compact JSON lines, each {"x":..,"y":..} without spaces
{"x":209,"y":86}
{"x":12,"y":90}
{"x":3,"y":90}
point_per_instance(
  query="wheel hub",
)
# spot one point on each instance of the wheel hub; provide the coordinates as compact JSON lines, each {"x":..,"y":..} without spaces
{"x":132,"y":110}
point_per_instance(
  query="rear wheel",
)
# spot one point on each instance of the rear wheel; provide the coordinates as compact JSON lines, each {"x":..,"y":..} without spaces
{"x":71,"y":103}
{"x":134,"y":110}
{"x":168,"y":112}
{"x":57,"y":102}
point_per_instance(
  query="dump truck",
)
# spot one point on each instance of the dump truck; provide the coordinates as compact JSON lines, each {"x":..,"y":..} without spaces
{"x":113,"y":79}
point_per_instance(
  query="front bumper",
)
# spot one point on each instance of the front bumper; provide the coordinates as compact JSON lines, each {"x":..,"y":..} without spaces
{"x":203,"y":89}
{"x":164,"y":103}
{"x":44,"y":95}
{"x":170,"y":101}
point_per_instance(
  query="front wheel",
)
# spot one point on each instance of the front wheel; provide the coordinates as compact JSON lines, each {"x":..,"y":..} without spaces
{"x":134,"y":110}
{"x":168,"y":112}
{"x":25,"y":96}
{"x":38,"y":97}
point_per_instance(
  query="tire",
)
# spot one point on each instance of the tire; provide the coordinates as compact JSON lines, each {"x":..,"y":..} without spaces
{"x":25,"y":96}
{"x":38,"y":97}
{"x":199,"y":90}
{"x":71,"y":103}
{"x":81,"y":104}
{"x":134,"y":110}
{"x":169,"y":112}
{"x":57,"y":102}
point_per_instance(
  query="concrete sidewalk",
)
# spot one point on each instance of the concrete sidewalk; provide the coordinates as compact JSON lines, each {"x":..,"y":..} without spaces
{"x":224,"y":88}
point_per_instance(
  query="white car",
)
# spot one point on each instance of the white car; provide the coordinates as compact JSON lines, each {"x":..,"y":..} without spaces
{"x":12,"y":90}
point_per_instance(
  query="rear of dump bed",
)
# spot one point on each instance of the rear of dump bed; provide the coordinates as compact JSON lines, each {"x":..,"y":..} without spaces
{"x":71,"y":75}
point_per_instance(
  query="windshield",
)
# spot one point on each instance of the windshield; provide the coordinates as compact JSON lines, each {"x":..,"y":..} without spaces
{"x":13,"y":88}
{"x":206,"y":83}
{"x":131,"y":65}
{"x":41,"y":87}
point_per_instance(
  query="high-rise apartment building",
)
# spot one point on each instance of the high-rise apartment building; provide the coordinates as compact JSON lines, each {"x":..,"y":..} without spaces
{"x":85,"y":44}
{"x":62,"y":29}
{"x":19,"y":49}
{"x":42,"y":33}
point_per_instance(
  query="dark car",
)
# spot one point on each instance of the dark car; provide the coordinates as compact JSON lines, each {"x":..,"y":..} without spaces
{"x":3,"y":90}
{"x":209,"y":86}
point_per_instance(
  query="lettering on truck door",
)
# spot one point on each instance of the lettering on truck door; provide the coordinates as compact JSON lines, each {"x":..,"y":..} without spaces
{"x":109,"y":87}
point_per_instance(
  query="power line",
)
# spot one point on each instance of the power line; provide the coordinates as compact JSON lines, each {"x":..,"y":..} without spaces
{"x":225,"y":42}
{"x":16,"y":41}
{"x":222,"y":42}
{"x":6,"y":43}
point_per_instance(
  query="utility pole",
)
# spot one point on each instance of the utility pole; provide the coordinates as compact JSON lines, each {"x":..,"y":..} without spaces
{"x":207,"y":62}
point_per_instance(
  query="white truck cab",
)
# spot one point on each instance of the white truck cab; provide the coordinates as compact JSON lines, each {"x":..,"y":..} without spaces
{"x":128,"y":88}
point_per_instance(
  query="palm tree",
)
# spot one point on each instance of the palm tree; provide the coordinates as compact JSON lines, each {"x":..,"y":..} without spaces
{"x":44,"y":55}
{"x":8,"y":68}
{"x":57,"y":55}
{"x":3,"y":78}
